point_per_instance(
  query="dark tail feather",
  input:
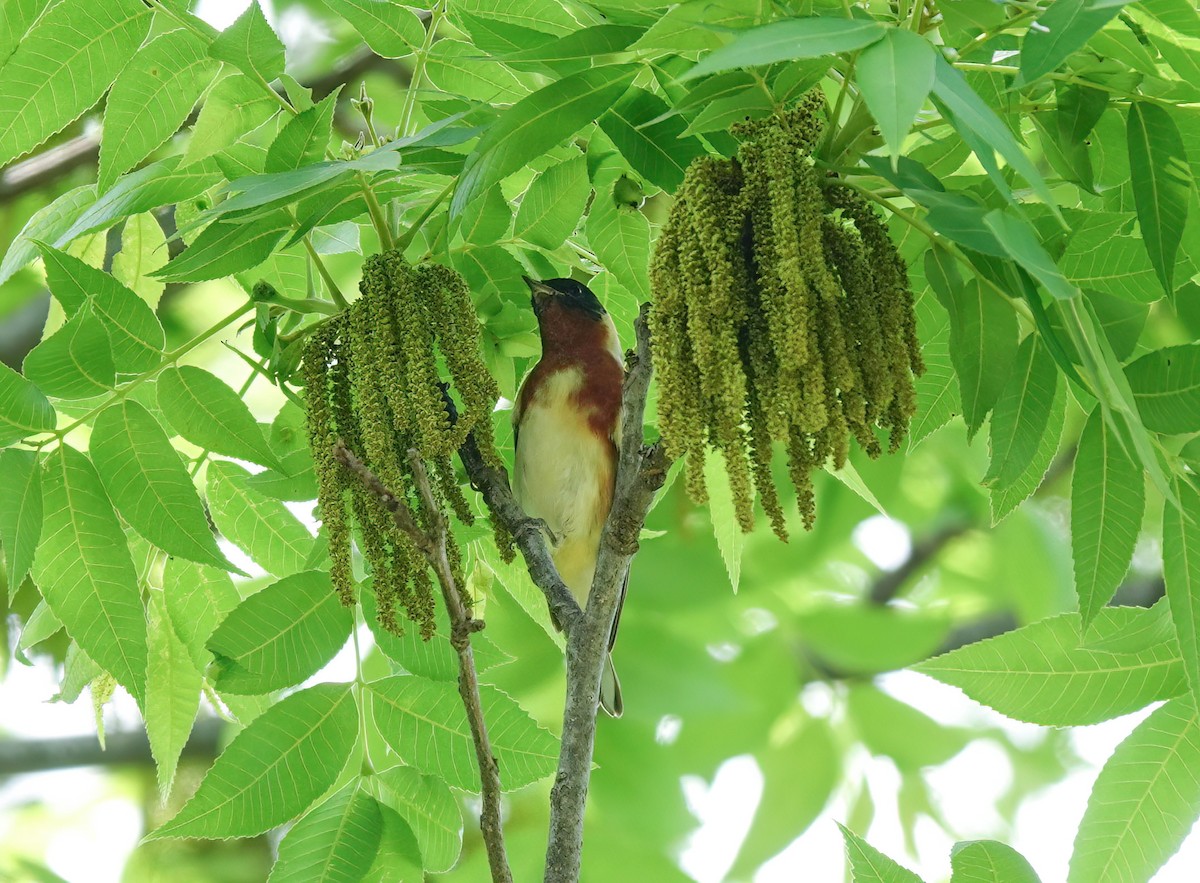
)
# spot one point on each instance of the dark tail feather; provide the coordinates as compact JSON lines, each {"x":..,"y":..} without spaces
{"x":610,"y":690}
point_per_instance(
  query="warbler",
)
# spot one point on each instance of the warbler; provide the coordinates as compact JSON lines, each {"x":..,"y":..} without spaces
{"x":566,"y":429}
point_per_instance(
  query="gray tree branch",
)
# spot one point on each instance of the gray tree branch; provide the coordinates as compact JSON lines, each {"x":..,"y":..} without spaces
{"x":432,"y":544}
{"x":123,"y":747}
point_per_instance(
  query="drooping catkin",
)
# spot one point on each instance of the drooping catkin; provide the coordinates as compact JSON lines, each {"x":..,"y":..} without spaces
{"x":782,"y":315}
{"x":374,"y":381}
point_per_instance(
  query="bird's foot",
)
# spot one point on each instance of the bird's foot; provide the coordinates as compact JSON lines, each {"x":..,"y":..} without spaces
{"x":537,"y":524}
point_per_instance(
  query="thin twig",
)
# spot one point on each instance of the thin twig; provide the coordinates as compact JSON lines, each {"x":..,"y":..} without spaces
{"x":641,"y":471}
{"x":432,"y":544}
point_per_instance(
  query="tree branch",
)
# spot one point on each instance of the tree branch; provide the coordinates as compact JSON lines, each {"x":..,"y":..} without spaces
{"x":433,"y":546}
{"x":123,"y":747}
{"x":641,"y":471}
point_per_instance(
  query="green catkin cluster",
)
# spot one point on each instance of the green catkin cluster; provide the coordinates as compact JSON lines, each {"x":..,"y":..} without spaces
{"x":373,"y":379}
{"x":782,"y":314}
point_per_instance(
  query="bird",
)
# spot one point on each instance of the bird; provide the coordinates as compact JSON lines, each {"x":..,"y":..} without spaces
{"x":566,"y":431}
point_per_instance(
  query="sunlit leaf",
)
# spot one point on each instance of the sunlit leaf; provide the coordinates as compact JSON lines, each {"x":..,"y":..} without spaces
{"x":1144,"y":801}
{"x":251,"y":45}
{"x":989,"y":861}
{"x":261,"y":527}
{"x":788,"y":39}
{"x":869,"y":865}
{"x":1162,"y":184}
{"x":335,"y":841}
{"x":895,"y":76}
{"x":172,"y":693}
{"x":273,"y":769}
{"x":429,"y":807}
{"x":206,"y":412}
{"x":1166,"y":387}
{"x":1181,"y":571}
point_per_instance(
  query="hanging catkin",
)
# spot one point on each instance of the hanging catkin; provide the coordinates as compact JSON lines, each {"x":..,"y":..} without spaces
{"x":782,"y":314}
{"x":373,"y":379}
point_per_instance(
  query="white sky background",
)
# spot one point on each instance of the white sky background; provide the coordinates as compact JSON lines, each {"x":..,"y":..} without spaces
{"x":99,"y":827}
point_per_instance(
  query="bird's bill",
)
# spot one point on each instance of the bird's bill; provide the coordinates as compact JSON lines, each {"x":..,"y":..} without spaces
{"x":539,"y":290}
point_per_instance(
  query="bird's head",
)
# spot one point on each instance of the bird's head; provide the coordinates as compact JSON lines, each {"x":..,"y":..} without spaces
{"x":570,"y":317}
{"x":565,"y":296}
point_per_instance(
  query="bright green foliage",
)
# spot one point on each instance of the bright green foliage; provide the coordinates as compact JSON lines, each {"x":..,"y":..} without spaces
{"x":280,"y":635}
{"x":335,"y":842}
{"x":1181,"y":571}
{"x":275,"y":767}
{"x":988,"y":861}
{"x":428,"y":806}
{"x":149,"y":486}
{"x":1104,"y":520}
{"x":43,"y":87}
{"x":1145,"y":800}
{"x":262,"y":528}
{"x":1035,"y":167}
{"x":172,"y":692}
{"x":150,"y":99}
{"x":20,"y":513}
{"x":74,"y":362}
{"x":1043,"y":674}
{"x":406,"y":709}
{"x":208,"y":413}
{"x":869,"y":865}
{"x":84,"y":570}
{"x":250,"y":45}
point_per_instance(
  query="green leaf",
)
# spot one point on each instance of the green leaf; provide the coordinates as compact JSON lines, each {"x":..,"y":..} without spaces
{"x":1022,"y":413}
{"x":1041,"y":674}
{"x":227,"y":247}
{"x":810,"y":755}
{"x":424,"y":722}
{"x":582,"y":45}
{"x":983,"y":340}
{"x":977,"y":122}
{"x":261,"y":527}
{"x":273,"y":769}
{"x":729,"y":536}
{"x":40,"y":625}
{"x":280,"y":635}
{"x":250,"y":45}
{"x":429,"y":807}
{"x":869,"y":865}
{"x":895,"y":76}
{"x":620,"y":237}
{"x":553,"y":204}
{"x":1162,"y":184}
{"x":789,"y":39}
{"x":1005,"y":500}
{"x":1144,"y":801}
{"x":197,"y":599}
{"x":537,"y":123}
{"x":148,"y":484}
{"x":84,"y":570}
{"x":75,"y":362}
{"x":305,"y":136}
{"x":399,"y":853}
{"x":23,"y":408}
{"x":1166,"y":388}
{"x":1181,"y":570}
{"x":1061,"y":30}
{"x":206,"y":412}
{"x":172,"y":693}
{"x":391,"y":30}
{"x":134,"y":333}
{"x":1107,"y":503}
{"x":486,"y":219}
{"x":62,"y":67}
{"x":651,"y":140}
{"x":456,"y":67}
{"x":1019,"y":239}
{"x":236,"y":105}
{"x":18,"y":16}
{"x":143,"y":250}
{"x":1105,"y":256}
{"x":937,"y":389}
{"x":895,"y":729}
{"x":47,"y":223}
{"x":335,"y":841}
{"x":151,"y":98}
{"x":20,"y":513}
{"x":989,"y":861}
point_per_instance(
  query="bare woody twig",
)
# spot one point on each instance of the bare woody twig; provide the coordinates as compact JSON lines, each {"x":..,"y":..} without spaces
{"x":641,"y":471}
{"x":433,"y":546}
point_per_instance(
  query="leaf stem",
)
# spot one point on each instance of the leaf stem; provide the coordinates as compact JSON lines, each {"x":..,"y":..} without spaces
{"x":422,"y":54}
{"x":334,"y":292}
{"x":411,"y":233}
